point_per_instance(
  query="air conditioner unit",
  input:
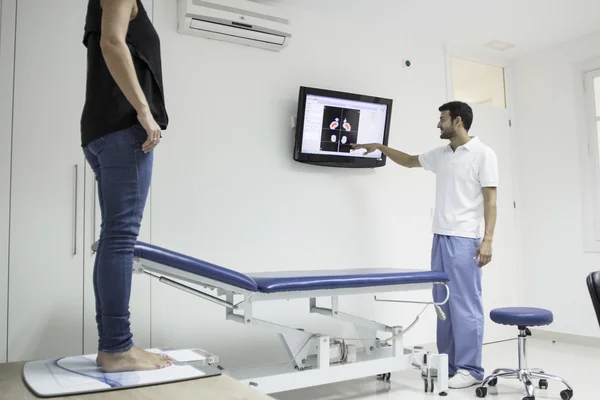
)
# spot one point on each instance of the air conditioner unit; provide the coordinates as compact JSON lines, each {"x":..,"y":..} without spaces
{"x":237,"y":21}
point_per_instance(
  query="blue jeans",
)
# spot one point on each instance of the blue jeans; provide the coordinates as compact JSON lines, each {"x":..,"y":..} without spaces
{"x":461,"y":334}
{"x":123,"y":174}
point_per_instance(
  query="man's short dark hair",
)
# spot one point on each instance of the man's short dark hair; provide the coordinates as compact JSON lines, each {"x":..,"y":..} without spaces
{"x":459,"y":109}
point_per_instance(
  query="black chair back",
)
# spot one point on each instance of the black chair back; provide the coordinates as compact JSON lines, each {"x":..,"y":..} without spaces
{"x":593,"y":283}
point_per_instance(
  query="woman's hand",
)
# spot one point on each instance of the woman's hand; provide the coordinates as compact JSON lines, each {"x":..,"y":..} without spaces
{"x":152,"y":129}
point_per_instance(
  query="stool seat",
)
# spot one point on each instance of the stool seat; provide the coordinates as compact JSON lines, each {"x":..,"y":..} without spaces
{"x":521,"y":316}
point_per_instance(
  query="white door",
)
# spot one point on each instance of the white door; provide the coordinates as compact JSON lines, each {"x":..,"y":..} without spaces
{"x":501,"y":277}
{"x":46,"y":230}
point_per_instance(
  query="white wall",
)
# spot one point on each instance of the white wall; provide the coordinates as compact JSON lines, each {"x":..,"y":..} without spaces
{"x":227,"y":190}
{"x":6,"y":74}
{"x":225,"y":187}
{"x":547,"y":142}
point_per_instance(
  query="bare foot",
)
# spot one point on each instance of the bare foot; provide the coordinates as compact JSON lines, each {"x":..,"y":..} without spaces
{"x":132,"y":360}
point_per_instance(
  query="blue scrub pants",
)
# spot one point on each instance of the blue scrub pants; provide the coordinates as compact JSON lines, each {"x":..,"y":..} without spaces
{"x":461,"y":334}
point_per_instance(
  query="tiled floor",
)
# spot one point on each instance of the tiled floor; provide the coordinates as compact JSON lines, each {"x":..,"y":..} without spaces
{"x":576,"y":364}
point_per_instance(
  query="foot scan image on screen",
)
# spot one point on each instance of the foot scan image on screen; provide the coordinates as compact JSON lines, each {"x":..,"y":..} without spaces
{"x":340,"y":129}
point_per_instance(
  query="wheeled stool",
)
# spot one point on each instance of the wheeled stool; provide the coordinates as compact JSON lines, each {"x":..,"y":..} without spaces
{"x":523,"y":317}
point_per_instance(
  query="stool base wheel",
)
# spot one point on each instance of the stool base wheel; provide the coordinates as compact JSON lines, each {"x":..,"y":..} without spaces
{"x":527,"y":376}
{"x":566,"y":394}
{"x":481,"y":392}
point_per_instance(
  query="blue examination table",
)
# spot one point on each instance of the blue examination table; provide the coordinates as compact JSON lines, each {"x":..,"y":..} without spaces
{"x":314,"y":358}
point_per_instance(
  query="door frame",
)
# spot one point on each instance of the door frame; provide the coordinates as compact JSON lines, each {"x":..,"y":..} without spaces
{"x":588,"y":156}
{"x":8,"y":10}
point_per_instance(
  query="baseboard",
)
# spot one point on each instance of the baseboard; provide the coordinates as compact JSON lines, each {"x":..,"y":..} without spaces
{"x":569,"y":338}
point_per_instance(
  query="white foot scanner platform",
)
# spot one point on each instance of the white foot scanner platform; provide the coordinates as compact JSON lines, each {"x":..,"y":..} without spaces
{"x":315,"y":359}
{"x":74,"y":375}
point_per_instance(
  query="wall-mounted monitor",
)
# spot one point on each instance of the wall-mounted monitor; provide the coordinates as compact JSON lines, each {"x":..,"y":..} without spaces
{"x":328,"y":122}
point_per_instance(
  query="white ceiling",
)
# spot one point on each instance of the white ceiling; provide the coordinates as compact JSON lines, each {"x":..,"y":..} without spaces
{"x":530,"y":25}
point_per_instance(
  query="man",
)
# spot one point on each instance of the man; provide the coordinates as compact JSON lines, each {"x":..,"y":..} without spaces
{"x":466,"y":180}
{"x":121,"y":123}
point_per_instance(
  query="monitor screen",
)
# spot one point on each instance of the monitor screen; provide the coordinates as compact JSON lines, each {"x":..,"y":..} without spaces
{"x":329,"y":122}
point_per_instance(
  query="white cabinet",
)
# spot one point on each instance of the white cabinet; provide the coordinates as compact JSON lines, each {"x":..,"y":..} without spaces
{"x":46,"y":246}
{"x":51,"y":298}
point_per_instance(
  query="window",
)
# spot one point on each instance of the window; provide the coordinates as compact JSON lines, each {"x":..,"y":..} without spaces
{"x":592,"y":170}
{"x":478,"y":83}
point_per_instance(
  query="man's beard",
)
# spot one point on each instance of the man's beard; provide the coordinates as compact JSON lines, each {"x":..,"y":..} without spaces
{"x":446,"y":134}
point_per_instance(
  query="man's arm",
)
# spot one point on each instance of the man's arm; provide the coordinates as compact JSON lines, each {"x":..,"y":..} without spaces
{"x":489,"y":214}
{"x":406,"y":160}
{"x":116,"y":15}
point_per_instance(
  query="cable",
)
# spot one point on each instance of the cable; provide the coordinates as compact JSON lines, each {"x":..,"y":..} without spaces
{"x":411,"y":325}
{"x":438,"y":310}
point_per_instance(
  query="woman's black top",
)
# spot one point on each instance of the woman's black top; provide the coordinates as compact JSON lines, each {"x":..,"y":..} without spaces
{"x":106,"y":108}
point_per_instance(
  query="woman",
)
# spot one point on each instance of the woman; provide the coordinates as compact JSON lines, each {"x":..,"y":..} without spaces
{"x":121,"y":124}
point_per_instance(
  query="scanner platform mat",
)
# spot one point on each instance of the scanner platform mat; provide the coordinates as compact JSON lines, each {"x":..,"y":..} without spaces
{"x":80,"y":374}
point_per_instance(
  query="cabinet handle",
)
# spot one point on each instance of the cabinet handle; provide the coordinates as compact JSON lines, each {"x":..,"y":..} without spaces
{"x":75,"y":177}
{"x":94,"y":215}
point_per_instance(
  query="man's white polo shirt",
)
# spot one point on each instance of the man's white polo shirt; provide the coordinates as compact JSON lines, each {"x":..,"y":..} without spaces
{"x":460,"y":177}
